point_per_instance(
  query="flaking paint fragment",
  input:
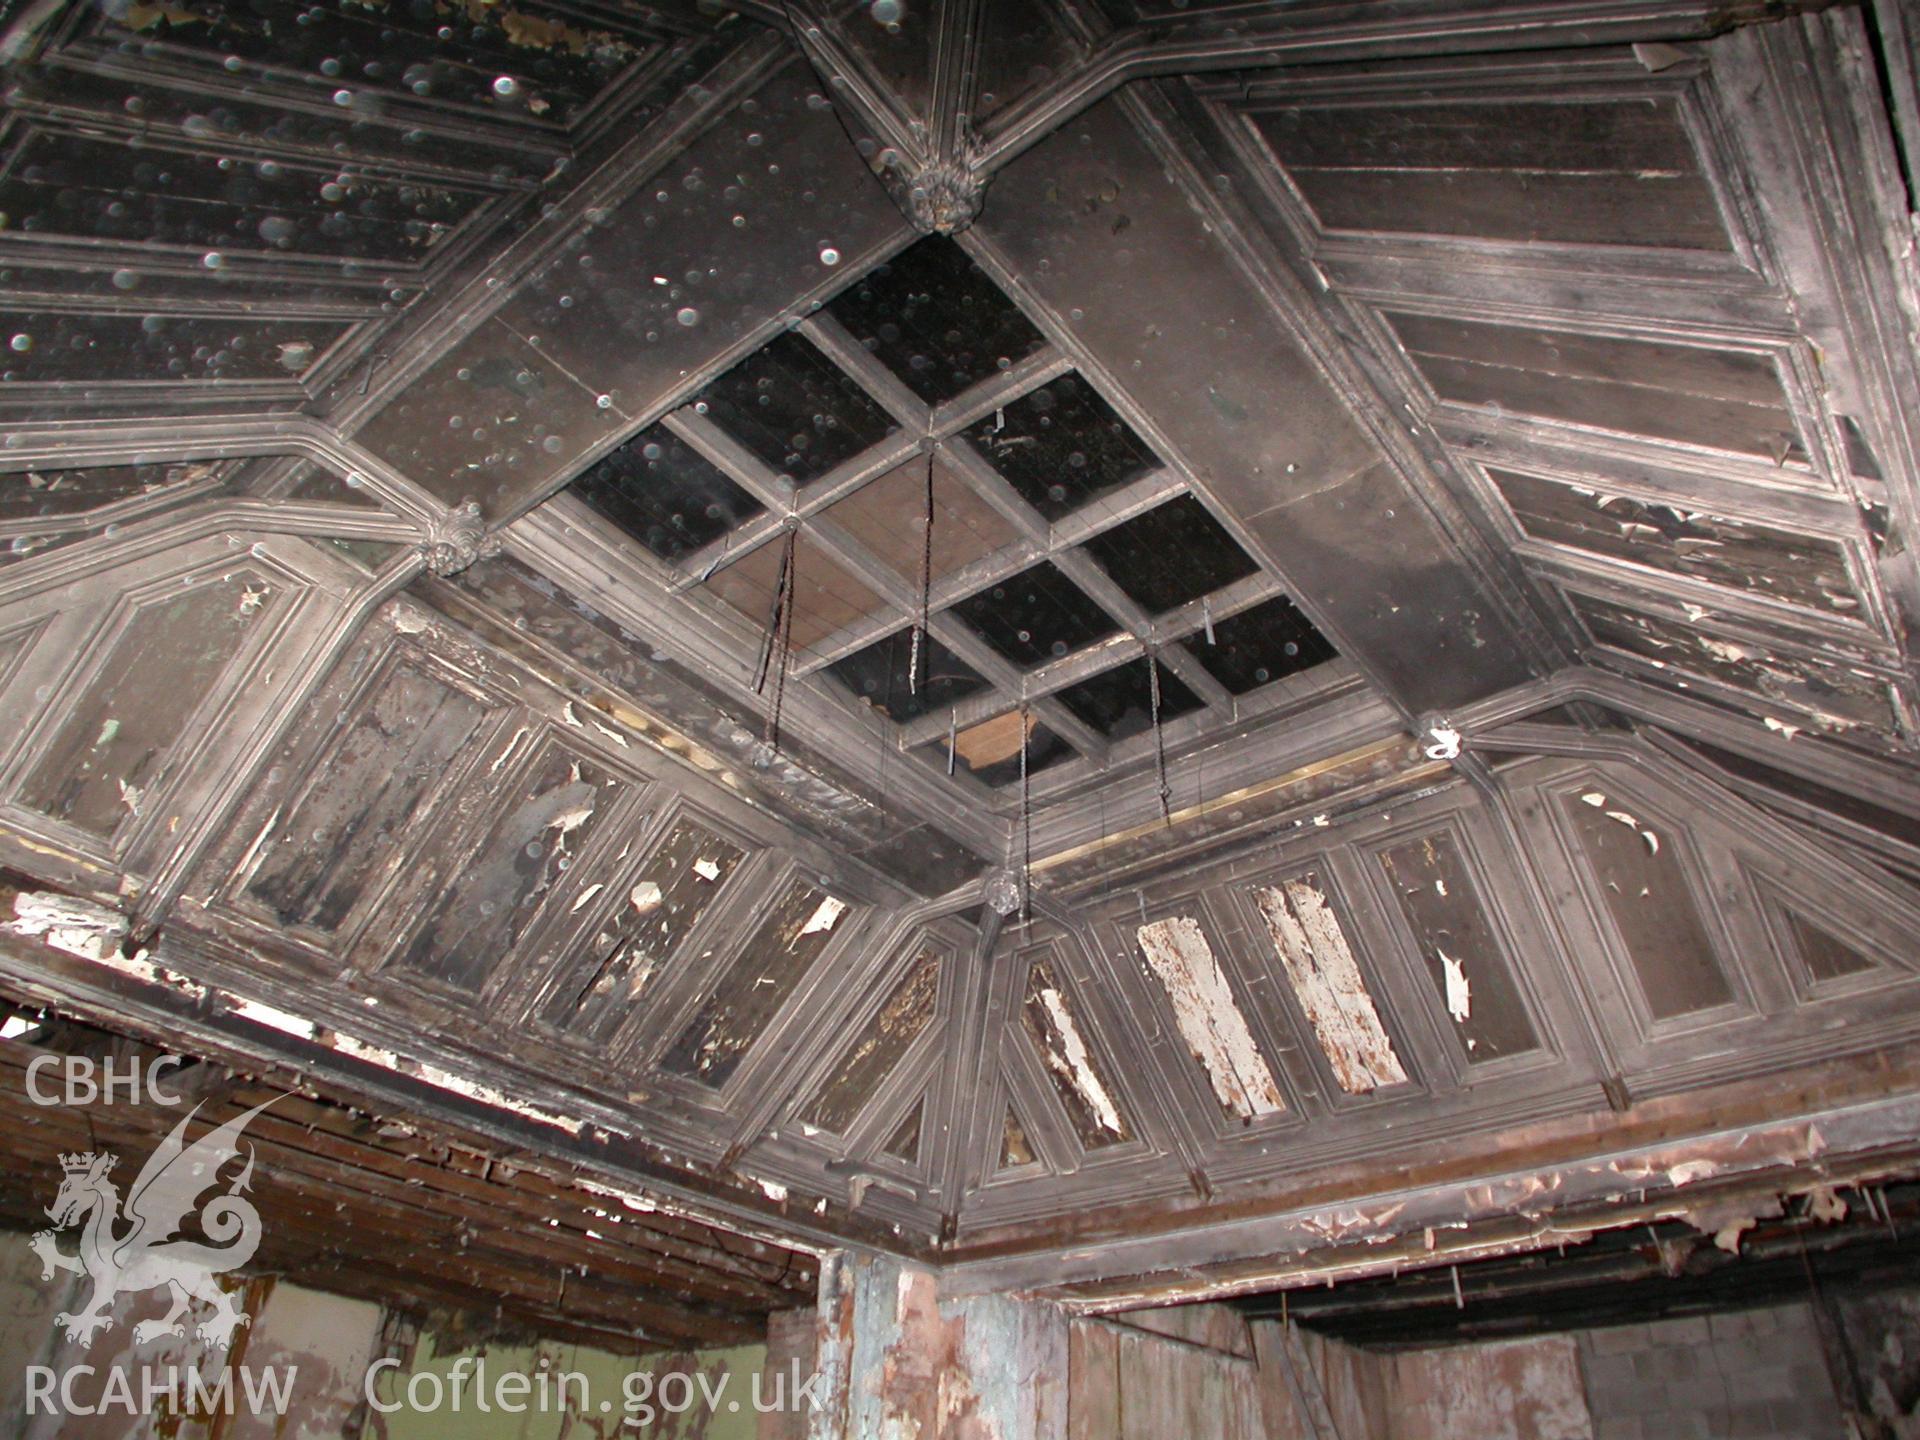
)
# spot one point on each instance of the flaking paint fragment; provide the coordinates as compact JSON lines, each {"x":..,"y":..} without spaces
{"x":1208,"y":1018}
{"x":586,"y":895}
{"x":1326,"y":980}
{"x":706,"y":869}
{"x":825,"y":916}
{"x":1459,"y":992}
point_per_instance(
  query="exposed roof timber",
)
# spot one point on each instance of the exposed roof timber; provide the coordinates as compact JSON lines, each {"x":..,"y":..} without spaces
{"x":147,"y":1000}
{"x":1746,"y":1145}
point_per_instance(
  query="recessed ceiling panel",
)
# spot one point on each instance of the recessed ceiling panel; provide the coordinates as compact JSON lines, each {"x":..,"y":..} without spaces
{"x":1172,"y":554}
{"x":1061,"y":446}
{"x":990,"y":751}
{"x":878,"y":1050}
{"x":523,"y":59}
{"x":878,"y":675}
{"x":1119,"y":702}
{"x":1718,"y":399}
{"x":1036,"y":616}
{"x":795,"y":409}
{"x":756,"y":984}
{"x":1744,"y":555}
{"x":44,"y":345}
{"x":934,"y":318}
{"x":665,"y":494}
{"x":1266,"y":643}
{"x":1595,"y":172}
{"x":826,"y":598}
{"x":1644,"y":889}
{"x":63,"y":185}
{"x":888,"y":516}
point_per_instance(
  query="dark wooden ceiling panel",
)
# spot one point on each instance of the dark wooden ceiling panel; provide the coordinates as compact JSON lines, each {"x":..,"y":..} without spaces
{"x":684,"y":876}
{"x":1581,"y":171}
{"x":888,"y":517}
{"x":665,"y":494}
{"x":1837,"y":692}
{"x":527,"y":59}
{"x":786,"y":944}
{"x":553,"y":808}
{"x":47,"y":347}
{"x":365,"y":796}
{"x":878,"y":1050}
{"x":1746,"y":555}
{"x":157,"y":664}
{"x":1716,"y":399}
{"x":1062,"y":447}
{"x":935,"y":319}
{"x":69,"y":186}
{"x":826,"y":598}
{"x":1471,"y":973}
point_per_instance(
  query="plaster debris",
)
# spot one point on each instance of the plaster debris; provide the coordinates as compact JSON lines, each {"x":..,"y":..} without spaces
{"x":1076,"y":1066}
{"x":1209,"y":1019}
{"x":706,"y":869}
{"x":772,"y":1189}
{"x":645,"y":896}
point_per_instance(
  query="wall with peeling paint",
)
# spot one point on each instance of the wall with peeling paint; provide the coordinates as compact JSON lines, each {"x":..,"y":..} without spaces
{"x":330,"y":1343}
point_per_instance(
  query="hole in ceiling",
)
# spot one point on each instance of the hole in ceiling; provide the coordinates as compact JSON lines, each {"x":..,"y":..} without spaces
{"x":1170,"y":555}
{"x":933,"y":318}
{"x":990,"y":751}
{"x":878,"y":675}
{"x":1036,"y":616}
{"x":1061,"y":446}
{"x":1268,"y":642}
{"x":665,"y":494}
{"x":1119,"y":702}
{"x":795,"y":410}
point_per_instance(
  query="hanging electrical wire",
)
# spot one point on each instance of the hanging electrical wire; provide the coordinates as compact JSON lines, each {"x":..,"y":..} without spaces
{"x":1026,"y":820}
{"x":776,"y":646}
{"x":921,"y":641}
{"x":1159,"y":738}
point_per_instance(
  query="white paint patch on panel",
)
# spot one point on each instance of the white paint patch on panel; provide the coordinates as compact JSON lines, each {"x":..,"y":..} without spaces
{"x":1326,"y":980}
{"x":1459,"y":992}
{"x":1072,"y":1061}
{"x":825,"y":916}
{"x":1209,"y":1019}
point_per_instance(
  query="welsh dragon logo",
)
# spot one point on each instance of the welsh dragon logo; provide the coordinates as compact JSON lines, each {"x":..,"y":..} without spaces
{"x":145,"y":1255}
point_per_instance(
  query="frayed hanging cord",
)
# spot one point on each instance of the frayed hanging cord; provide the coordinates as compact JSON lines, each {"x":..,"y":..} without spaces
{"x":1159,"y":738}
{"x":1026,"y":823}
{"x":921,"y":641}
{"x":776,"y":652}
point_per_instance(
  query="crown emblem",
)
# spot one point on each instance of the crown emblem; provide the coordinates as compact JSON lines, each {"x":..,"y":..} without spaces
{"x":78,"y":1164}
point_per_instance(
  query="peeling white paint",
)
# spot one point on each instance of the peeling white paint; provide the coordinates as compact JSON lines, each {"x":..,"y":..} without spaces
{"x":1209,"y":1019}
{"x":260,"y":1013}
{"x":512,"y":745}
{"x":645,"y":896}
{"x":706,"y":870}
{"x":1076,"y":1065}
{"x":825,"y":916}
{"x":586,"y":896}
{"x":1459,"y":992}
{"x":772,"y":1189}
{"x":79,"y":927}
{"x":1326,"y":979}
{"x":1781,"y":727}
